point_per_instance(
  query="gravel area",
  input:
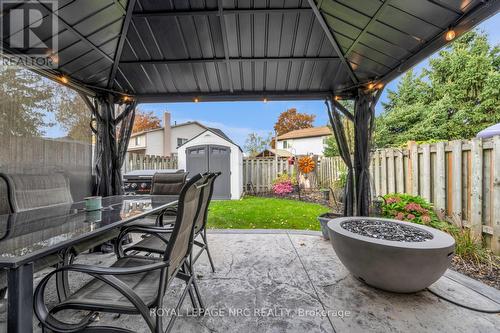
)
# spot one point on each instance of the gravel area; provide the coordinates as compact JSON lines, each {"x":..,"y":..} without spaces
{"x":387,"y":231}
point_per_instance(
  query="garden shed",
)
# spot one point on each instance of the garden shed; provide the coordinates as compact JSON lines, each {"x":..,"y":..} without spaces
{"x":214,"y":151}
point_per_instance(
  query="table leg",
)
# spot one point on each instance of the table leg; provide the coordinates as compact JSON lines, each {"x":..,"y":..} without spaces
{"x":20,"y":299}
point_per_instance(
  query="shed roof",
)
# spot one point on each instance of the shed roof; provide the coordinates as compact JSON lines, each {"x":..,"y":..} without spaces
{"x":215,"y":131}
{"x":307,"y":133}
{"x":241,"y":50}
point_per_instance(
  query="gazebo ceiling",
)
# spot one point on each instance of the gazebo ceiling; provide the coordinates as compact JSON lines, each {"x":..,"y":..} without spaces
{"x":179,"y":50}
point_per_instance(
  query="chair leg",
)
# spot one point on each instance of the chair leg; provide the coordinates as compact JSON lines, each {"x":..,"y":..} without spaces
{"x":62,"y":281}
{"x":204,"y":236}
{"x":198,"y":296}
{"x":192,"y":296}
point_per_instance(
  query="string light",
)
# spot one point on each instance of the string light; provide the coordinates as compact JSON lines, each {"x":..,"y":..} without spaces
{"x":126,"y":98}
{"x":63,"y":79}
{"x":265,"y":100}
{"x":380,"y":86}
{"x":450,"y":35}
{"x":337,"y":98}
{"x":196,"y":100}
{"x":370,"y":86}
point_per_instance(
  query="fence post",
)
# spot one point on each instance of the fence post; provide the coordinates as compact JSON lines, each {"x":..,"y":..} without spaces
{"x":440,"y":177}
{"x":413,"y":170}
{"x":495,"y":238}
{"x":400,"y":168}
{"x":383,"y":171}
{"x":377,"y":172}
{"x":426,"y":172}
{"x":476,"y":225}
{"x":391,"y":188}
{"x":456,"y":190}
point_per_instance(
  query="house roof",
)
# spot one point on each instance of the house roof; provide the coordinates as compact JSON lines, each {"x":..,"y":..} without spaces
{"x":240,"y":50}
{"x":306,"y":133}
{"x":189,"y":123}
{"x":272,"y":152}
{"x":173,"y":126}
{"x":146,"y":131}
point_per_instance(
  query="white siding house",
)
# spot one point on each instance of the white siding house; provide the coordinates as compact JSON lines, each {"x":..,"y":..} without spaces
{"x":305,"y":141}
{"x":164,"y":141}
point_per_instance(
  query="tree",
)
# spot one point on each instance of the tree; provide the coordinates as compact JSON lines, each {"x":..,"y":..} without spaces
{"x":291,"y":120}
{"x":74,"y":116}
{"x":457,"y":96}
{"x":145,"y":121}
{"x":331,"y":149}
{"x":25,"y":100}
{"x":255,"y":143}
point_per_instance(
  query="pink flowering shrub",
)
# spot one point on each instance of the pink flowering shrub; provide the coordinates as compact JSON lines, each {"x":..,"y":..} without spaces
{"x":283,"y":188}
{"x":410,"y":208}
{"x":283,"y":184}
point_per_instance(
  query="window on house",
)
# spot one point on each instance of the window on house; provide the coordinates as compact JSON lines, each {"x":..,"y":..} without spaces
{"x":181,"y":141}
{"x":137,"y":140}
{"x":286,"y":144}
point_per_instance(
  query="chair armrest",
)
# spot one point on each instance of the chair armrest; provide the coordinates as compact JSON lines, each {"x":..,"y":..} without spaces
{"x":104,"y":274}
{"x":154,"y":231}
{"x":99,"y":270}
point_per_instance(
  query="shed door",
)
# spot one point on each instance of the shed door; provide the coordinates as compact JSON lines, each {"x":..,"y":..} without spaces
{"x":212,"y":158}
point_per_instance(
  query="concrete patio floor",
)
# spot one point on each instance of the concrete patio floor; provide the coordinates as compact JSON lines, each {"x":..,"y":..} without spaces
{"x":284,"y":281}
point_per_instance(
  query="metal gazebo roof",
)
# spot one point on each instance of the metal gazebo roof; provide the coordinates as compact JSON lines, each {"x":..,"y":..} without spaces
{"x":212,"y":50}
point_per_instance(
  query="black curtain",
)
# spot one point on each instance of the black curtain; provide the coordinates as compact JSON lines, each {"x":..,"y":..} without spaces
{"x":364,"y":121}
{"x":345,"y":154}
{"x":110,"y":149}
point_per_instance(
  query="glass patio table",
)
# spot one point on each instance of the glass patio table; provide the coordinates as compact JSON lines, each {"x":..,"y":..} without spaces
{"x":32,"y":235}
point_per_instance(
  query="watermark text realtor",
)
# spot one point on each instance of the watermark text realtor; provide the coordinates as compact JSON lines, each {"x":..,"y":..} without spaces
{"x":30,"y":33}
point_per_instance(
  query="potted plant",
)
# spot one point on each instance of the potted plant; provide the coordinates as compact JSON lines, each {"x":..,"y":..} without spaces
{"x":326,"y":193}
{"x":323,"y":222}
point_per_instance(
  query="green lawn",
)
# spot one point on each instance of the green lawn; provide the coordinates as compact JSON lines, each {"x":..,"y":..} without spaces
{"x":264,"y":213}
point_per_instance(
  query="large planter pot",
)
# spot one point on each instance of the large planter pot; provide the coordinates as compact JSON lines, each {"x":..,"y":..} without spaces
{"x":323,"y":222}
{"x":394,"y":265}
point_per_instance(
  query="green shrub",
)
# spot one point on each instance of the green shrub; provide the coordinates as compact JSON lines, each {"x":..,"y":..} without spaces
{"x":341,"y":181}
{"x":285,"y":177}
{"x":415,"y":209}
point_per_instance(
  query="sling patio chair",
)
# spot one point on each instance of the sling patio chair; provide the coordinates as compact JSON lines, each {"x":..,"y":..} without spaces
{"x":133,"y":284}
{"x":164,"y":183}
{"x":157,"y":245}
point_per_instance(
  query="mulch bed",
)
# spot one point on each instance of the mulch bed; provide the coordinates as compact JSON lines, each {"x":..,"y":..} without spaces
{"x":487,"y":274}
{"x":309,"y":196}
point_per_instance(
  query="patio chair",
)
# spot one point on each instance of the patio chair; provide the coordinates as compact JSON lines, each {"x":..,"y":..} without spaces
{"x":164,"y":184}
{"x":132,"y":285}
{"x":157,"y":245}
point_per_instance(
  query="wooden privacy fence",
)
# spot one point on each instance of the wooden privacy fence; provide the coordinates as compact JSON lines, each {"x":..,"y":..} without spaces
{"x":148,"y":162}
{"x":37,"y":155}
{"x":461,"y":179}
{"x":260,"y":172}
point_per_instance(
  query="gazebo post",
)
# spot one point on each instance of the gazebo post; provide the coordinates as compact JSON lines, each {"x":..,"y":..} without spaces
{"x":364,"y":125}
{"x":110,"y":147}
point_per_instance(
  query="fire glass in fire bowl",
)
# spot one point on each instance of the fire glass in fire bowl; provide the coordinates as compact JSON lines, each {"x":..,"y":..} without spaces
{"x":389,"y":254}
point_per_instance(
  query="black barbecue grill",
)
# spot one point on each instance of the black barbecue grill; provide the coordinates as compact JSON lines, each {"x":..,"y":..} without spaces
{"x":139,"y":181}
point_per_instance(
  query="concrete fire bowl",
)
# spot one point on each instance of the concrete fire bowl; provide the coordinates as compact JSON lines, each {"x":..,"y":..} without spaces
{"x":397,"y":266}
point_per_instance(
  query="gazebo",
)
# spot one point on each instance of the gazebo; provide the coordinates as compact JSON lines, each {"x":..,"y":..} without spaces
{"x":139,"y":51}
